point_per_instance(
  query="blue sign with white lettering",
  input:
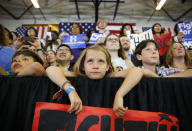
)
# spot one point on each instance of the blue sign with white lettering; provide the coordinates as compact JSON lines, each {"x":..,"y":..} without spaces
{"x":75,"y":41}
{"x":95,"y":37}
{"x":186,"y":28}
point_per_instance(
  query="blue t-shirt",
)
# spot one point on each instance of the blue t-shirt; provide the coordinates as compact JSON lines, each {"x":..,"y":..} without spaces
{"x":6,"y":54}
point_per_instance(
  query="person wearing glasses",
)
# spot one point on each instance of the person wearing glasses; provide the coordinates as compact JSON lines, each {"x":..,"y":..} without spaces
{"x":118,"y":58}
{"x":64,"y":57}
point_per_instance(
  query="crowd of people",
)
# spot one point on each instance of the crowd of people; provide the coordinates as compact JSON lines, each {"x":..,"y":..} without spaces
{"x":110,"y":56}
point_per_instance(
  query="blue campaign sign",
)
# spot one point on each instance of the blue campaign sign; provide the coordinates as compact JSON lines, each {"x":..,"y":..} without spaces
{"x":95,"y":37}
{"x":74,"y":41}
{"x":186,"y":28}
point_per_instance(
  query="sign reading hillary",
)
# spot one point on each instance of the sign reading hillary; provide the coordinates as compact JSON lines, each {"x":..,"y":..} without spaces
{"x":186,"y":28}
{"x":95,"y":37}
{"x":75,"y":41}
{"x":54,"y":117}
{"x":135,"y":39}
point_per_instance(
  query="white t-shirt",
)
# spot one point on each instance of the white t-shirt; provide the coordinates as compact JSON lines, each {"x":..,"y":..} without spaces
{"x":119,"y":64}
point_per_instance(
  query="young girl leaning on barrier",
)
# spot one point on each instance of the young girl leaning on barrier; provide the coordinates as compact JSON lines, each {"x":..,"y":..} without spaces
{"x":95,"y":63}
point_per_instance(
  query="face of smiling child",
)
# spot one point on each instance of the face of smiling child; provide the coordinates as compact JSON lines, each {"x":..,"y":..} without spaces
{"x":20,"y":62}
{"x":95,"y":64}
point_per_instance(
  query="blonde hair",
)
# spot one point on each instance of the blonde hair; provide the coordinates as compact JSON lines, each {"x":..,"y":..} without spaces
{"x":121,"y":52}
{"x":169,"y":56}
{"x":101,"y":19}
{"x":79,"y":65}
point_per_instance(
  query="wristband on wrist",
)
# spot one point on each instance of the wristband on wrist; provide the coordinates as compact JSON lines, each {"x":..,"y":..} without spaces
{"x":69,"y":89}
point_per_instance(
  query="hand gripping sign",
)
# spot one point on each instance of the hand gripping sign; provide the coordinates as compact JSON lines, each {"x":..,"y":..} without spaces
{"x":54,"y":117}
{"x":186,"y":28}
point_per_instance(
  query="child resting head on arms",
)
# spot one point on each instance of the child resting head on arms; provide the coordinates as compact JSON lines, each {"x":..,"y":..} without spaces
{"x":27,"y":63}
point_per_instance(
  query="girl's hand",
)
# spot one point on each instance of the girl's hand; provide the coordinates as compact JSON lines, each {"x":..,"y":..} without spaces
{"x":118,"y":107}
{"x":76,"y":103}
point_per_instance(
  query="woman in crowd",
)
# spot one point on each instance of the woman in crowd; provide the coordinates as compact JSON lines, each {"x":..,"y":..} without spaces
{"x":178,"y":57}
{"x":178,"y":35}
{"x":162,"y":39}
{"x":126,"y":27}
{"x":118,"y":58}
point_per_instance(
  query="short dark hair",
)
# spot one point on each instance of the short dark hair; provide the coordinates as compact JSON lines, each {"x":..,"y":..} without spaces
{"x":27,"y":52}
{"x":139,"y":49}
{"x":162,"y":31}
{"x":65,"y":46}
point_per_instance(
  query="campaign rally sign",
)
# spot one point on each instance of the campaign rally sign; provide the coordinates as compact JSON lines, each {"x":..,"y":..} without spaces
{"x":135,"y":39}
{"x":54,"y":117}
{"x":95,"y":37}
{"x":74,"y":41}
{"x":186,"y":28}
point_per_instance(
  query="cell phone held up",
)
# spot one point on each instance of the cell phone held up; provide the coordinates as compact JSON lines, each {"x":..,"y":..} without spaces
{"x":26,"y":38}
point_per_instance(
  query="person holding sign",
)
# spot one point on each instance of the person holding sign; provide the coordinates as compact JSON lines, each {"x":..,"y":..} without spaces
{"x":95,"y":63}
{"x":101,"y":28}
{"x":162,"y":39}
{"x":118,"y":58}
{"x":76,"y":40}
{"x":178,"y":57}
{"x":178,"y":34}
{"x":51,"y":42}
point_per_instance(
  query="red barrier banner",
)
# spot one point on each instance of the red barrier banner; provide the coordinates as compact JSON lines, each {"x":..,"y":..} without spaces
{"x":54,"y":117}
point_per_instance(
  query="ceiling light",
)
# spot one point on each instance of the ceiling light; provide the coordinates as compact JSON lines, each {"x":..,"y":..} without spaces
{"x":35,"y":3}
{"x":160,"y":4}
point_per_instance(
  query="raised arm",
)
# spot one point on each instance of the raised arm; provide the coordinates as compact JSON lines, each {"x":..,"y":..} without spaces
{"x":57,"y":76}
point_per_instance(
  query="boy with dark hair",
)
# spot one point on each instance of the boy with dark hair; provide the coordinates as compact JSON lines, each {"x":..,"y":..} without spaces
{"x":27,"y":63}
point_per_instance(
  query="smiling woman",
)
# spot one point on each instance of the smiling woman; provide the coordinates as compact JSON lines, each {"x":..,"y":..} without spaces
{"x":118,"y":58}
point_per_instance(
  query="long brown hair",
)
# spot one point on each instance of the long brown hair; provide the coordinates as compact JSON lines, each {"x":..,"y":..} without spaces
{"x":121,"y":52}
{"x":79,"y":65}
{"x":169,"y":56}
